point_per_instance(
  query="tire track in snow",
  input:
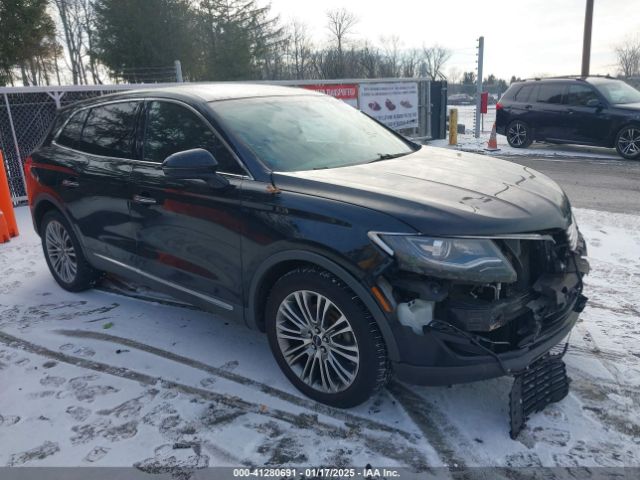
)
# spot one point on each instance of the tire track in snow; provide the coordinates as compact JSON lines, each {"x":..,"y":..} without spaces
{"x":385,"y":445}
{"x":234,"y":377}
{"x":445,"y":438}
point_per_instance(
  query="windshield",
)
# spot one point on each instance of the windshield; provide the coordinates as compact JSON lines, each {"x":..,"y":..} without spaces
{"x":307,"y":132}
{"x":618,"y":92}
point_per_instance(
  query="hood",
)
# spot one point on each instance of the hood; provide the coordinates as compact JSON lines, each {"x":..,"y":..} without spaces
{"x":629,"y":106}
{"x":443,"y":192}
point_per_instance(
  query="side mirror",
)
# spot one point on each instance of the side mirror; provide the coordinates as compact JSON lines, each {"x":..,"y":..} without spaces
{"x":194,"y":164}
{"x":595,"y":103}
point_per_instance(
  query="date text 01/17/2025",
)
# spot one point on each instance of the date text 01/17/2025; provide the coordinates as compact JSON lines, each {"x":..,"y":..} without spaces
{"x":316,"y":472}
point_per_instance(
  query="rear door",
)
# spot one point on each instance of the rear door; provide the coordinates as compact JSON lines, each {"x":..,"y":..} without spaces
{"x":98,"y":193}
{"x":187,"y":232}
{"x":549,"y":111}
{"x":586,"y":123}
{"x":521,"y":106}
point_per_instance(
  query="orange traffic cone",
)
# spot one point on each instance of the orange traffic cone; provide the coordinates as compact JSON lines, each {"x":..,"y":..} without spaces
{"x":6,"y":206}
{"x":4,"y":230}
{"x":492,"y":145}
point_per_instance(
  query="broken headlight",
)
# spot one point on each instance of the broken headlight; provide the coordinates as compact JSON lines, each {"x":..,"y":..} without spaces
{"x":466,"y":259}
{"x":573,"y":235}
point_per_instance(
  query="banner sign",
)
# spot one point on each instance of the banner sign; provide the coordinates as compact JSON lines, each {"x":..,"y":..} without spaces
{"x":394,"y":104}
{"x":346,"y":92}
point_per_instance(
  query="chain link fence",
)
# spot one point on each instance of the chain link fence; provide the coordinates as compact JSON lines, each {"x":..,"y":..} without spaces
{"x":26,"y":114}
{"x":25,"y":118}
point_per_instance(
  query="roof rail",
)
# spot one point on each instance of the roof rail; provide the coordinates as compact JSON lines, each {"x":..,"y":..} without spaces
{"x":575,"y":77}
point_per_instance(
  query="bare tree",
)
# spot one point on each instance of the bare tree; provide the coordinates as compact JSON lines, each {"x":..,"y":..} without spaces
{"x":391,"y":46}
{"x":340,"y":23}
{"x":628,"y":56}
{"x":435,"y":57}
{"x":301,"y":48}
{"x":454,"y":76}
{"x":77,"y":20}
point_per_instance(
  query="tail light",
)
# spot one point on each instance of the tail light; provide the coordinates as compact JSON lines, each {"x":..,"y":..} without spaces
{"x":498,"y":106}
{"x":28,"y":163}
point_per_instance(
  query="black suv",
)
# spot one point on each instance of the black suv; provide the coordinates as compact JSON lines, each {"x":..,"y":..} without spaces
{"x":599,"y":111}
{"x":357,"y":251}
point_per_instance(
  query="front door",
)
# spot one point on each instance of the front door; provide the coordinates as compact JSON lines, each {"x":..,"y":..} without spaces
{"x":586,"y":122}
{"x":188,"y":232}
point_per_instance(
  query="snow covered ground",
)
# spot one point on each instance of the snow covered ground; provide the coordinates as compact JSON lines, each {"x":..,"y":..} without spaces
{"x":103,"y":379}
{"x":468,"y":143}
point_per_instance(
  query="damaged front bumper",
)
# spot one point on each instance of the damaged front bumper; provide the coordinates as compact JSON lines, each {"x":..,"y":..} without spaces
{"x":471,"y":333}
{"x":451,"y":366}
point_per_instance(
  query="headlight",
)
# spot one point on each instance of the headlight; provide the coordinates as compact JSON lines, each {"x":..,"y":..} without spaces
{"x":467,"y":259}
{"x":572,"y":234}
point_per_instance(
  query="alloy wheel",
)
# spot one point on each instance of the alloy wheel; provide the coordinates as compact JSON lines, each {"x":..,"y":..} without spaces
{"x":317,"y":341}
{"x":517,"y":134}
{"x":62,"y":255}
{"x":629,"y":142}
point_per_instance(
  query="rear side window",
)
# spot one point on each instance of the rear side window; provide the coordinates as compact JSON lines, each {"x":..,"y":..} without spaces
{"x":72,"y":131}
{"x":173,"y":128}
{"x":580,"y":95}
{"x":524,"y":94}
{"x":109,"y":130}
{"x":550,"y":93}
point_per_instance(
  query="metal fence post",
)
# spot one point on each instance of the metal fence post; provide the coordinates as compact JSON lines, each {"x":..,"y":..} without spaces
{"x":178,"y":71}
{"x":479,"y":85}
{"x":428,"y":106}
{"x":15,"y":141}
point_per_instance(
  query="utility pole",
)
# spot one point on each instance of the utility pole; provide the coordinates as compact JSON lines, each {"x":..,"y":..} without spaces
{"x":586,"y":44}
{"x":479,"y":86}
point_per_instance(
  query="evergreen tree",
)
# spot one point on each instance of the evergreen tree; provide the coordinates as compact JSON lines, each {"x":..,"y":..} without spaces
{"x":27,"y":41}
{"x":239,"y":39}
{"x":139,"y":40}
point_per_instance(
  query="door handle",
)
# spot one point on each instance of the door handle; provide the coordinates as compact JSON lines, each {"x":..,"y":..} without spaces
{"x":571,"y":111}
{"x":142,"y":200}
{"x":528,"y":107}
{"x":70,"y":183}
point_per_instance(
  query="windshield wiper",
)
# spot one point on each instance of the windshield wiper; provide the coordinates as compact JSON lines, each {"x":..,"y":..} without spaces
{"x":388,"y":156}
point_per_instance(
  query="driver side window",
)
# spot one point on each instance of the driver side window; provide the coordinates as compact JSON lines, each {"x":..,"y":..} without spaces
{"x":580,"y":95}
{"x":173,"y":128}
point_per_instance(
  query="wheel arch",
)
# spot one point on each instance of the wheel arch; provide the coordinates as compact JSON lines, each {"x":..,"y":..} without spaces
{"x":46,"y":203}
{"x":280,"y":263}
{"x":629,"y":122}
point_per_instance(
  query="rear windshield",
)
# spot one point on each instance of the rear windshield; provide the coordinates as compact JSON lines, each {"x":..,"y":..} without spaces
{"x":618,"y":92}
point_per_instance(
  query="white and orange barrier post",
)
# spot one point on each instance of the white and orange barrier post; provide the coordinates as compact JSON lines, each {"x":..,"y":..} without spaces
{"x":8,"y":224}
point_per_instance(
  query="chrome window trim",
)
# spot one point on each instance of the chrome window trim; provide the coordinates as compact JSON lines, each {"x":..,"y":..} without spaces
{"x":158,"y":99}
{"x":213,"y":300}
{"x":144,"y":162}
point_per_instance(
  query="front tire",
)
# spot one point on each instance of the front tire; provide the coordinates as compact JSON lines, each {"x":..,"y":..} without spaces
{"x":324,"y":339}
{"x":63,"y":254}
{"x":628,"y":142}
{"x":519,"y":134}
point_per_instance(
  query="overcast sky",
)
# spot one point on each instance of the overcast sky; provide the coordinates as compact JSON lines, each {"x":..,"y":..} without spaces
{"x":522,"y":37}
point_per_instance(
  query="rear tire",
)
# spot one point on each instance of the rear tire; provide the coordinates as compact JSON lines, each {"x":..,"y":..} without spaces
{"x":336,"y":352}
{"x":64,"y":255}
{"x":628,"y":142}
{"x":519,"y":134}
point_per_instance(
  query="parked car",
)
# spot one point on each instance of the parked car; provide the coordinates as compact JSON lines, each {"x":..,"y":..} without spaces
{"x":599,"y":111}
{"x":358,"y":252}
